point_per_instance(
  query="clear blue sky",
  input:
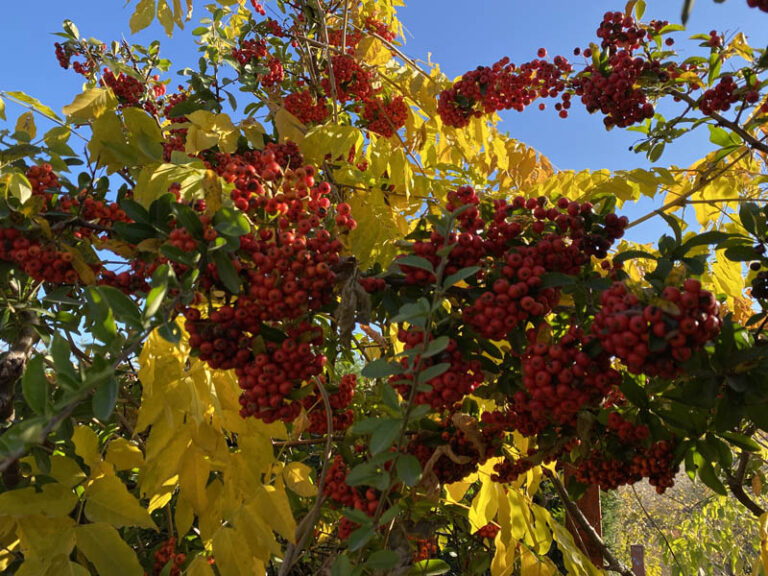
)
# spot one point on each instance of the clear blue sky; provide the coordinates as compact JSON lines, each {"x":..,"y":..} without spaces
{"x":460,"y":35}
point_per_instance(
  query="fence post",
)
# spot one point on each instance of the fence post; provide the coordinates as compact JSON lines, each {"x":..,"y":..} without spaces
{"x":637,"y":552}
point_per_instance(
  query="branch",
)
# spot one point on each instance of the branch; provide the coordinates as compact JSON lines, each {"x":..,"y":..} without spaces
{"x":308,"y":522}
{"x":614,"y":564}
{"x":13,"y":362}
{"x":722,"y":121}
{"x":736,"y":484}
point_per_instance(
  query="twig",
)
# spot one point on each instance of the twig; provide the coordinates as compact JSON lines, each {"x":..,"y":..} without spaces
{"x":308,"y":522}
{"x":614,"y":564}
{"x":659,"y":530}
{"x":735,"y":483}
{"x":331,"y":77}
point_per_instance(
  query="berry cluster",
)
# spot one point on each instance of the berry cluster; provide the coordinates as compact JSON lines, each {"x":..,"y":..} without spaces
{"x":460,"y":456}
{"x":450,"y":387}
{"x":561,"y":379}
{"x":720,"y":97}
{"x":384,"y":117}
{"x":619,"y":31}
{"x":504,"y":86}
{"x":655,"y":339}
{"x":167,"y":554}
{"x":337,"y":489}
{"x":761,"y":4}
{"x":489,"y":531}
{"x":340,"y":400}
{"x":306,"y":108}
{"x":128,"y":90}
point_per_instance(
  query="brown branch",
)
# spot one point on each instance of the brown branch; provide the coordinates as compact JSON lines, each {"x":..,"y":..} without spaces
{"x":331,"y":77}
{"x":614,"y":564}
{"x":722,"y":121}
{"x":736,"y":484}
{"x":13,"y":362}
{"x":308,"y":522}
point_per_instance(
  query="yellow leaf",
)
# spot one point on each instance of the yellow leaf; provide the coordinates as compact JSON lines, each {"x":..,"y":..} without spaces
{"x":165,"y":16}
{"x":2,"y":110}
{"x":254,"y":132}
{"x":575,"y":561}
{"x":273,"y":501}
{"x":227,"y":132}
{"x":455,"y":492}
{"x":199,"y":567}
{"x":63,"y":566}
{"x":124,"y":455}
{"x":289,"y":127}
{"x":143,"y":133}
{"x":108,"y":500}
{"x":26,"y":124}
{"x":742,"y":47}
{"x":45,"y":538}
{"x":109,"y":553}
{"x":90,"y":105}
{"x":250,"y":522}
{"x":108,"y":146}
{"x":142,"y":16}
{"x":372,"y":51}
{"x":530,"y":565}
{"x":86,"y":445}
{"x":379,"y":226}
{"x":183,"y":516}
{"x":53,"y":501}
{"x":233,"y":555}
{"x":727,"y":278}
{"x":64,"y":470}
{"x":193,"y":478}
{"x":484,"y":505}
{"x":212,"y":192}
{"x":297,"y":479}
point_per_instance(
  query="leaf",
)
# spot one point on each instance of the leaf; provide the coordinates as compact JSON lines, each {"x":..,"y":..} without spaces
{"x":232,"y":553}
{"x":104,"y":398}
{"x":433,"y":371}
{"x":434,"y":567}
{"x":124,"y":455}
{"x":360,"y":537}
{"x":2,"y":110}
{"x":227,"y":272}
{"x":415,"y":262}
{"x":107,"y":551}
{"x":124,"y":309}
{"x":289,"y":127}
{"x":90,"y":105}
{"x":382,"y":560}
{"x":165,"y":17}
{"x":231,"y":222}
{"x":742,"y":441}
{"x":709,"y":477}
{"x":144,"y":133}
{"x":53,"y":501}
{"x":199,"y":567}
{"x":297,"y":478}
{"x":33,"y":102}
{"x":484,"y":505}
{"x":143,"y":15}
{"x":459,"y":276}
{"x":384,"y":435}
{"x":381,"y":368}
{"x":408,"y":469}
{"x":86,"y":445}
{"x":34,"y":385}
{"x":633,"y":255}
{"x":108,"y":500}
{"x":26,"y":124}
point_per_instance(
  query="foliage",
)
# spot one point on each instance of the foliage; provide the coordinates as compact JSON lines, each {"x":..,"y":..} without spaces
{"x":314,"y":313}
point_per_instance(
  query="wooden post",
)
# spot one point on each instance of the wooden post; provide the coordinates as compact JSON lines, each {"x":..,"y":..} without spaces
{"x":589,"y":504}
{"x":638,"y":559}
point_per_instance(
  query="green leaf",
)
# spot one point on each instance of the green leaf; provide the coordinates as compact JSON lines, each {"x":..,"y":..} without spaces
{"x":363,"y":474}
{"x":433,"y":567}
{"x":381,"y":368}
{"x":366,"y":426}
{"x":385,"y":435}
{"x":556,"y":280}
{"x":462,"y":274}
{"x":104,"y":398}
{"x":231,"y":222}
{"x":742,"y":441}
{"x":189,"y":219}
{"x":742,"y":253}
{"x":633,"y":255}
{"x":436,"y":346}
{"x":433,"y":371}
{"x":408,"y":469}
{"x":415,"y":262}
{"x":709,"y":477}
{"x":125,"y":309}
{"x":382,"y":560}
{"x":159,"y":289}
{"x":341,"y":566}
{"x":104,"y":327}
{"x":227,"y":272}
{"x":722,"y":137}
{"x":65,"y":371}
{"x":360,"y":538}
{"x":34,"y":385}
{"x":356,"y":516}
{"x":711,"y":237}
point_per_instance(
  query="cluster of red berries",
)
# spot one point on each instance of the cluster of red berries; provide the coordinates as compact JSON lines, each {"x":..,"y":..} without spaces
{"x":371,"y":284}
{"x":275,"y":75}
{"x":761,"y":4}
{"x":627,"y":432}
{"x":42,"y":263}
{"x":128,"y":90}
{"x":608,"y":472}
{"x":446,"y":389}
{"x":339,"y":400}
{"x":504,"y":86}
{"x":351,"y":80}
{"x":306,"y":108}
{"x":656,"y":339}
{"x":384,"y":117}
{"x":425,"y":548}
{"x":561,"y":379}
{"x":720,"y":97}
{"x":278,"y":370}
{"x":167,"y":554}
{"x":249,"y":51}
{"x":489,"y":531}
{"x":337,"y":489}
{"x":620,"y":31}
{"x":462,"y":461}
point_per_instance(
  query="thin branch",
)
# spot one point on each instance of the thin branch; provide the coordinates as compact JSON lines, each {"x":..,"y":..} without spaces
{"x":736,"y":484}
{"x":308,"y":522}
{"x":659,"y":530}
{"x":331,"y":77}
{"x":614,"y":564}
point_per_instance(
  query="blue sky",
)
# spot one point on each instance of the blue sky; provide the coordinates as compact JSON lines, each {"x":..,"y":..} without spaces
{"x":460,"y":35}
